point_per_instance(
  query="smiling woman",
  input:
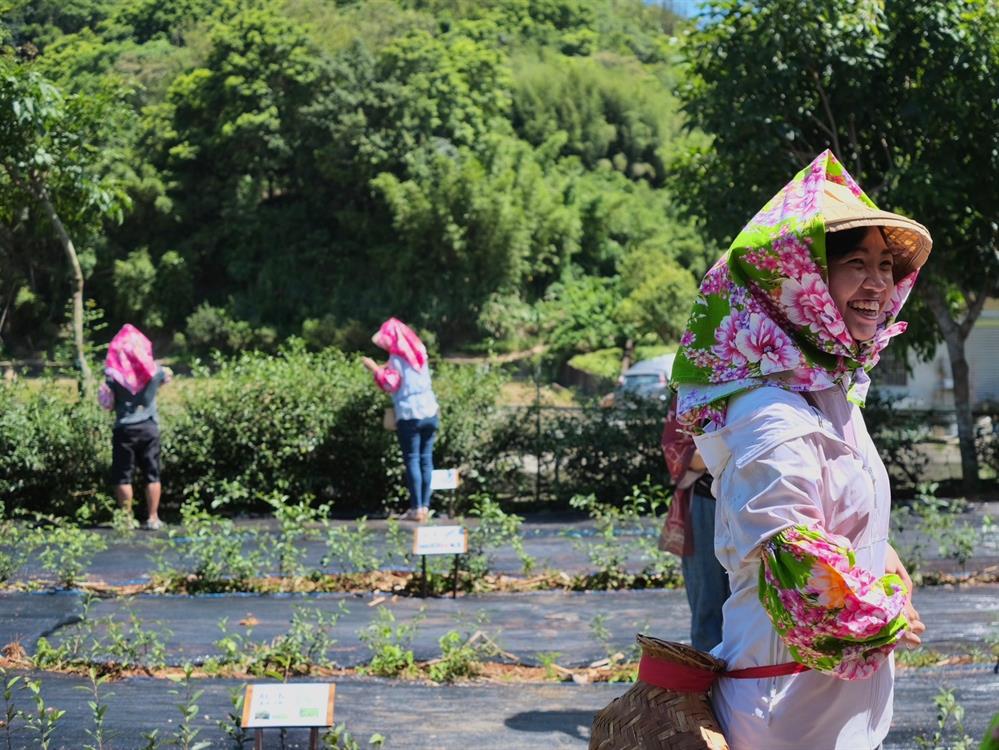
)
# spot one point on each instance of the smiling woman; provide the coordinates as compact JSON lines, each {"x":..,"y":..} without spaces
{"x":861,"y":278}
{"x":772,"y":370}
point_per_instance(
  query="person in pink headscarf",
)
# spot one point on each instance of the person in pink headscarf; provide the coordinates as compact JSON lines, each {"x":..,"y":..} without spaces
{"x":132,"y":378}
{"x":406,"y":378}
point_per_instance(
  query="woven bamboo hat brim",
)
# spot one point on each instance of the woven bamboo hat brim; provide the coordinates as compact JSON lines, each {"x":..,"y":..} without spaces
{"x":651,"y":718}
{"x":909,"y":241}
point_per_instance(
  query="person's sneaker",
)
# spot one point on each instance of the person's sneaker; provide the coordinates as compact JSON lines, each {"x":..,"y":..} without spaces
{"x":412,"y":514}
{"x":154,"y":524}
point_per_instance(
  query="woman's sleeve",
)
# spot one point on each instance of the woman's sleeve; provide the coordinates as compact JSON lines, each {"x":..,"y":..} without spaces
{"x":105,"y":397}
{"x":834,"y":617}
{"x":387,"y":379}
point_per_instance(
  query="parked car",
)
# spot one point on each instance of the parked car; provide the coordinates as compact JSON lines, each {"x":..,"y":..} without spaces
{"x":646,"y":379}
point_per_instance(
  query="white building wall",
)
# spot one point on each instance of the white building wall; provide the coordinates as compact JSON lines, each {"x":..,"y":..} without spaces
{"x":929,"y":384}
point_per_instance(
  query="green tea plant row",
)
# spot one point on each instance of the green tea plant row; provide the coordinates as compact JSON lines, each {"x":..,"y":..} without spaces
{"x":208,"y":552}
{"x":26,"y":714}
{"x":114,"y":645}
{"x":308,"y":425}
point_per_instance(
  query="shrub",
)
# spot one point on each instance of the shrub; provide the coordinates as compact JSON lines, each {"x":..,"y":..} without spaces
{"x":461,"y":657}
{"x":987,"y":444}
{"x":495,"y":529}
{"x":389,"y":645}
{"x":303,"y":647}
{"x":580,"y":451}
{"x":897,"y":434}
{"x":206,"y":554}
{"x":308,"y":425}
{"x":214,"y":329}
{"x":54,"y":451}
{"x":352,"y":550}
{"x":638,"y":514}
{"x":64,"y":550}
{"x":298,"y":423}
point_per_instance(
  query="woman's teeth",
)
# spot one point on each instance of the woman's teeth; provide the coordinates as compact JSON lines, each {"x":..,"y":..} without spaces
{"x":867,"y":309}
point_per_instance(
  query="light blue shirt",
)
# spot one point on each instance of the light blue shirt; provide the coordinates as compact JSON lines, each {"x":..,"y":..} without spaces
{"x":415,"y":398}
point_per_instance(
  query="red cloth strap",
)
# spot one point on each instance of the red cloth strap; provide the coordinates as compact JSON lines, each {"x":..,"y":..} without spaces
{"x":774,"y":670}
{"x":670,"y":675}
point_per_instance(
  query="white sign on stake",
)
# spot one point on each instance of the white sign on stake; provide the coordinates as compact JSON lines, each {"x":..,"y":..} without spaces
{"x":445,"y":479}
{"x":296,"y":704}
{"x":440,"y":540}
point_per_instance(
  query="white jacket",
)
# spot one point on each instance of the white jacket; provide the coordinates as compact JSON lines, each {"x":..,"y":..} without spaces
{"x":779,"y":462}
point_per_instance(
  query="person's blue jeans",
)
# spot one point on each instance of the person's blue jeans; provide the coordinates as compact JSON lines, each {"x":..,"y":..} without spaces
{"x":704,"y":577}
{"x":416,"y":438}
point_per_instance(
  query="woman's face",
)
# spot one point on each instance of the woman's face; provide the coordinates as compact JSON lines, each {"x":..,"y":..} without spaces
{"x":861,"y":284}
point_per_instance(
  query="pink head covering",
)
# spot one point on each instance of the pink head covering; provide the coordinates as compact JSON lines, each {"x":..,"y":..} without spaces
{"x":398,"y":339}
{"x":130,"y":360}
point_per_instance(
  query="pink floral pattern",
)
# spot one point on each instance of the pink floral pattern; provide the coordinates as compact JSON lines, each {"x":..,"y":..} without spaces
{"x":764,"y":314}
{"x":834,"y":617}
{"x":762,"y":342}
{"x":129,"y":360}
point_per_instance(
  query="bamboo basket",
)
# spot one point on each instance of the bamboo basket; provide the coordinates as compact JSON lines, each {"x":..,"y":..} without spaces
{"x":652,"y":718}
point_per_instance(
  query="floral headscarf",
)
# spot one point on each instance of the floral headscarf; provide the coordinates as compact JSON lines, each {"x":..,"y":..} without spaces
{"x":764,"y":314}
{"x":399,"y":339}
{"x":130,"y":361}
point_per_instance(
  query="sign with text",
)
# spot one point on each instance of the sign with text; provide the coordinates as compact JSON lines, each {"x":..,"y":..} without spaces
{"x":440,"y":540}
{"x":445,"y":479}
{"x":297,"y":704}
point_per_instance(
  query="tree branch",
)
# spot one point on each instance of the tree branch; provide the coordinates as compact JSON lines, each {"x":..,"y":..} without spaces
{"x":975,"y":306}
{"x":828,"y":108}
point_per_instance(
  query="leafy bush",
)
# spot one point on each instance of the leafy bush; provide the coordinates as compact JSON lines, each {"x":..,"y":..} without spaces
{"x":309,"y":425}
{"x":206,"y":553}
{"x":298,"y":423}
{"x":495,"y":529}
{"x":389,"y":645}
{"x":932,"y":523}
{"x":108,"y":644}
{"x":304,"y":646}
{"x":581,"y":451}
{"x":638,"y":514}
{"x":55,"y":451}
{"x":65,"y":551}
{"x":214,"y":329}
{"x":461,"y":657}
{"x":897,"y":434}
{"x":353,"y":550}
{"x":987,"y":443}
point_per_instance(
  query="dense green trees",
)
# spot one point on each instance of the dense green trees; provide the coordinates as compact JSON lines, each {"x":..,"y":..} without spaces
{"x":303,"y":167}
{"x":53,"y":186}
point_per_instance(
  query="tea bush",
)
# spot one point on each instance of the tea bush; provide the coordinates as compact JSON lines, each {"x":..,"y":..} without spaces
{"x":580,"y":451}
{"x":55,"y":452}
{"x":389,"y":644}
{"x":308,"y":425}
{"x":295,"y":423}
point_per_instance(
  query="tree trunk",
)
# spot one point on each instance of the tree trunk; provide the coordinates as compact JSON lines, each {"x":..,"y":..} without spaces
{"x":955,"y":334}
{"x":86,"y":378}
{"x":627,"y":354}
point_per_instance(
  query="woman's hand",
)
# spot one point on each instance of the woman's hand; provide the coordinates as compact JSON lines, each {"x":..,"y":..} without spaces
{"x":369,"y":363}
{"x":893,"y":564}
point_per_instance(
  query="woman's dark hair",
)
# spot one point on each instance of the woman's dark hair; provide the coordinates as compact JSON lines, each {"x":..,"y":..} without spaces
{"x":840,"y":243}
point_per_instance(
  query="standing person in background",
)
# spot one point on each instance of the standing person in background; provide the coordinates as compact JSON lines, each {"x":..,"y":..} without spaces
{"x":689,"y":531}
{"x":132,"y":378}
{"x":407,"y":378}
